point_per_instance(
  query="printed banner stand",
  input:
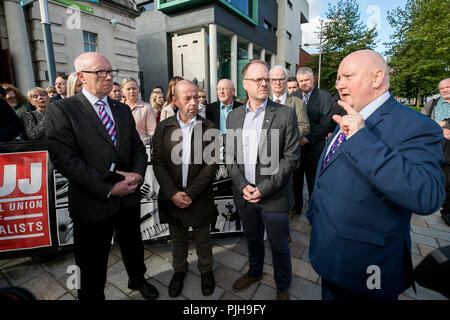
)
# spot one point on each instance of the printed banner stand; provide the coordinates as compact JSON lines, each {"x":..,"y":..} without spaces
{"x":34,"y":206}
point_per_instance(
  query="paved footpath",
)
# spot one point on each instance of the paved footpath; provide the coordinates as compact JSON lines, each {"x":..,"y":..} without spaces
{"x":47,"y":281}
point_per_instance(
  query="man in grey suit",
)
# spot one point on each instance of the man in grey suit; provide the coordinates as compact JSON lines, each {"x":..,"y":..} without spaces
{"x":262,"y":152}
{"x":93,"y":142}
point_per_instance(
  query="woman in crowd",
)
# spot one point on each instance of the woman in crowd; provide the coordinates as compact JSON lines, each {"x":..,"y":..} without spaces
{"x":142,"y":111}
{"x":169,"y":108}
{"x":157,"y":103}
{"x":74,"y":85}
{"x":33,"y":121}
{"x":51,"y":91}
{"x":16,"y":100}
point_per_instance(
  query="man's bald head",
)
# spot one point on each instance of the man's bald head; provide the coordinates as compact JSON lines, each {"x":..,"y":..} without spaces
{"x":86,"y":65}
{"x":363,"y":76}
{"x":186,"y":99}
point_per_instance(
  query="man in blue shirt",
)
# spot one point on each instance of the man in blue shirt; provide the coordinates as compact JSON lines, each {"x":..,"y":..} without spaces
{"x":218,"y":111}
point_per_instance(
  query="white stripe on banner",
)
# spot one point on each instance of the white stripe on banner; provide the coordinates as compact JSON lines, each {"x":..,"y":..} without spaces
{"x":20,"y":199}
{"x":25,"y":216}
{"x":21,"y":237}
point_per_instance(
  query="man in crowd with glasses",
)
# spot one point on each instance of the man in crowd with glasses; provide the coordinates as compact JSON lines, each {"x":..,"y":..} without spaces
{"x":93,"y":142}
{"x":262,"y":152}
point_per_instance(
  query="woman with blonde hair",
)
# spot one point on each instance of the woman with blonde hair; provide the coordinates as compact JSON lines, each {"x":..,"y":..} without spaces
{"x":169,"y":108}
{"x":33,"y":121}
{"x":157,"y":103}
{"x":142,"y":111}
{"x":16,"y":100}
{"x":74,"y":85}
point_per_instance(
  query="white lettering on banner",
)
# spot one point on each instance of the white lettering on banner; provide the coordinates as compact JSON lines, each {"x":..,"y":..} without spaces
{"x":26,"y":186}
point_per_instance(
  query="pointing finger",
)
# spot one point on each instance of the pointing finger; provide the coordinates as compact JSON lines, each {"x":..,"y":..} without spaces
{"x":347,"y":107}
{"x":337,"y":118}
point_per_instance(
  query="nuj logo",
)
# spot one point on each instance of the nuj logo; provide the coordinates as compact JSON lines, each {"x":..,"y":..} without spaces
{"x":26,"y":186}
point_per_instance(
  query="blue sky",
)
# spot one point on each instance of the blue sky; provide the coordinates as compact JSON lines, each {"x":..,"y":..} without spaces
{"x":371,"y":11}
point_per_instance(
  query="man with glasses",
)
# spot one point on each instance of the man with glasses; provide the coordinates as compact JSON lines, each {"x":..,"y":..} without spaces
{"x":262,"y":152}
{"x":93,"y":142}
{"x":278,"y":77}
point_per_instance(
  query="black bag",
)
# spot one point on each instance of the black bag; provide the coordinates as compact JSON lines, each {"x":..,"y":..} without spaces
{"x":433,"y":272}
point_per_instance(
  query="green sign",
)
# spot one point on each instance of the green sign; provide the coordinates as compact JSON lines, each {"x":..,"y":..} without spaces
{"x":79,"y":5}
{"x":23,"y":3}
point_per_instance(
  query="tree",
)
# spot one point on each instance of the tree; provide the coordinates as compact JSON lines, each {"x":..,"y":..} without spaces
{"x":342,"y":33}
{"x":419,"y":51}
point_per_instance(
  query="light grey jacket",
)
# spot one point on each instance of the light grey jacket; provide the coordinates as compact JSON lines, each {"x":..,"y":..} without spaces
{"x":300,"y":110}
{"x":278,"y":156}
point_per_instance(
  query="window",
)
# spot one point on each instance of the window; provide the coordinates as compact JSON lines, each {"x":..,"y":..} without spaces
{"x":90,"y":41}
{"x":288,"y":66}
{"x":288,"y":35}
{"x":289,"y":4}
{"x":243,"y":5}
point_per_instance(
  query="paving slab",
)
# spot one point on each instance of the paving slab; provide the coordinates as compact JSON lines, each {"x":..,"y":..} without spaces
{"x":264,"y":292}
{"x":304,"y":269}
{"x":225,"y":278}
{"x":304,"y":289}
{"x":431,"y":232}
{"x":44,"y":287}
{"x":421,"y":239}
{"x":159,"y":269}
{"x":21,"y":270}
{"x":113,"y":293}
{"x":229,"y":258}
{"x":117,"y":275}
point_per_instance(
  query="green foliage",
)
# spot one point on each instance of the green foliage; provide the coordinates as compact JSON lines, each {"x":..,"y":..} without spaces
{"x":342,"y":33}
{"x":419,"y":49}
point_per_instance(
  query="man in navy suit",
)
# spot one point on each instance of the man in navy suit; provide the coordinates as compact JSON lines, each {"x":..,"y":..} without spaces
{"x":382,"y":163}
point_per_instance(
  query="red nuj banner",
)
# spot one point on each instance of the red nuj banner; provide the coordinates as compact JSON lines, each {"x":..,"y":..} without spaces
{"x":24,"y":214}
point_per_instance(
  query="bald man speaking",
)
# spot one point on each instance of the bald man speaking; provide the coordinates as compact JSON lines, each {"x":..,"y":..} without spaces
{"x":382,"y":163}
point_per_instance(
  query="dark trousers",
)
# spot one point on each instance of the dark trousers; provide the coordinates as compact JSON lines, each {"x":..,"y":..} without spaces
{"x":92,"y":242}
{"x":446,"y":205}
{"x":203,"y":246}
{"x":331,"y":291}
{"x":255,"y":220}
{"x":307,"y":168}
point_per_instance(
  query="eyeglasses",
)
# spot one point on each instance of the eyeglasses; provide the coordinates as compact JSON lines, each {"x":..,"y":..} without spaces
{"x":258,"y":81}
{"x":103,"y":73}
{"x":278,"y":80}
{"x":8,"y":89}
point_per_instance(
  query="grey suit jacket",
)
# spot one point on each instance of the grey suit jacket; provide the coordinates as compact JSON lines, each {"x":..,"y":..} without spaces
{"x":81,"y":149}
{"x":278,"y":156}
{"x":300,"y":110}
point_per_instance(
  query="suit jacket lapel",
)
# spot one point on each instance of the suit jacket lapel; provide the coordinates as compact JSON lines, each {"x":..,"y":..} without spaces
{"x":264,"y":136}
{"x":373,"y":120}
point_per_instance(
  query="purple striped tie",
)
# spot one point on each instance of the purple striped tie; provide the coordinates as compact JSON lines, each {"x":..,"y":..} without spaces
{"x":336,"y":144}
{"x":107,"y":121}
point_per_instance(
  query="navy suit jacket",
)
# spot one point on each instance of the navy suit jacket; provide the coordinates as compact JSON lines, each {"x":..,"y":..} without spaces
{"x":363,"y":199}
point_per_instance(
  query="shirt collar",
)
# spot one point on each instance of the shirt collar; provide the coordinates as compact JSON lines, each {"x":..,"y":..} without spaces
{"x":189,"y":123}
{"x":223,"y":104}
{"x":374,"y":105}
{"x":261,"y":108}
{"x":93,"y":99}
{"x":282,"y":98}
{"x":309,"y":92}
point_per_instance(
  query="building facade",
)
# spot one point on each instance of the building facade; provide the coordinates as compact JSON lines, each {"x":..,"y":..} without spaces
{"x":207,"y":40}
{"x":107,"y":27}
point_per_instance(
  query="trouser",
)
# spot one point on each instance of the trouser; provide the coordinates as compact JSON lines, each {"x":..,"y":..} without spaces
{"x":203,"y":246}
{"x":446,"y":205}
{"x":307,"y":168}
{"x":255,"y":219}
{"x":92,"y":243}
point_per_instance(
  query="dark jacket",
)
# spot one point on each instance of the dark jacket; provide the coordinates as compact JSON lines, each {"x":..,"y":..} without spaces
{"x":9,"y":123}
{"x":213,"y":111}
{"x":81,"y":149}
{"x":319,"y":115}
{"x":169,"y":175}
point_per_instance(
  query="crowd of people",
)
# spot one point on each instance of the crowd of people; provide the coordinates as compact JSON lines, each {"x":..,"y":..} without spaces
{"x":365,"y":177}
